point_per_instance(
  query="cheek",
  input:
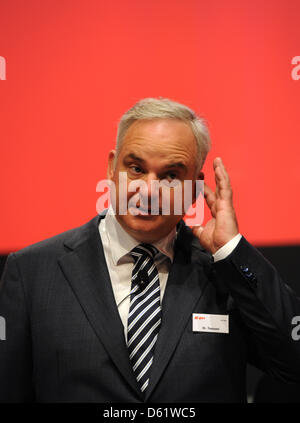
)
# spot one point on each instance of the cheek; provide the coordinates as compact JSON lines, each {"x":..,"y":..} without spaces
{"x":189,"y":192}
{"x":177,"y":200}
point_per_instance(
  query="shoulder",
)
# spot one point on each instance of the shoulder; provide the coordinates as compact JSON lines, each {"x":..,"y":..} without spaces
{"x":58,"y":244}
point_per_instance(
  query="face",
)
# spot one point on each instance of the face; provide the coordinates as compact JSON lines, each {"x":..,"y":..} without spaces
{"x":154,"y":150}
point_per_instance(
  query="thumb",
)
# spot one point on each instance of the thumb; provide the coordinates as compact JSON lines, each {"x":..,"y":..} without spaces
{"x":197,"y":231}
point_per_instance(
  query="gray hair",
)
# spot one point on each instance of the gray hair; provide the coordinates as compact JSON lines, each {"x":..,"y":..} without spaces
{"x":163,"y":108}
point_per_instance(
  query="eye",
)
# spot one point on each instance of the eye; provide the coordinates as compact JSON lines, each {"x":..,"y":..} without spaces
{"x":171,"y":175}
{"x":136,"y":169}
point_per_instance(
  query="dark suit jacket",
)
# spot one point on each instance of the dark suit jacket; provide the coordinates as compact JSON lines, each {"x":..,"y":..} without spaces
{"x":65,"y":340}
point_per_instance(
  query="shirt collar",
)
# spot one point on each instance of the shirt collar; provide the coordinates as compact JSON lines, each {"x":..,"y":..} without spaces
{"x":121,"y":243}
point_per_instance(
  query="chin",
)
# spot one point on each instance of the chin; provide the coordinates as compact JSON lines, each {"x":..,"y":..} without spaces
{"x":149,"y":228}
{"x":145,"y":228}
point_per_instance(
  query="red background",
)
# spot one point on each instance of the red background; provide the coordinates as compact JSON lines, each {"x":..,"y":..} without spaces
{"x":75,"y":66}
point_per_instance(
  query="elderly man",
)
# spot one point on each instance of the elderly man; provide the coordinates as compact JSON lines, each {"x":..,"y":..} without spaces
{"x":136,"y":306}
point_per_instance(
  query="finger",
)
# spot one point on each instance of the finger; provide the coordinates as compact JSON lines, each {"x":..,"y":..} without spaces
{"x":223,"y":187}
{"x":210,"y":199}
{"x":209,"y":196}
{"x":218,"y":162}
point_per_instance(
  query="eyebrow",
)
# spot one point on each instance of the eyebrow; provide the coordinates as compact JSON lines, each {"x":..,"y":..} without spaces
{"x":134,"y":157}
{"x":168,"y":166}
{"x":177,"y":164}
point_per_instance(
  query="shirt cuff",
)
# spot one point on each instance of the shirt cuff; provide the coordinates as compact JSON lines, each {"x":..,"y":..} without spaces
{"x":224,"y":251}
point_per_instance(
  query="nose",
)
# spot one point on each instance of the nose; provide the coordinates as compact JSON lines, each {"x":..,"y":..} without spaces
{"x":150,"y":190}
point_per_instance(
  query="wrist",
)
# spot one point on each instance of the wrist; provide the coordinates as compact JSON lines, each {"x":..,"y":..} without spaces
{"x":224,"y":251}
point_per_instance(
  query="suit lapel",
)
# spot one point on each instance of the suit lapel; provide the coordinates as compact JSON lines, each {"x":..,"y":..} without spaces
{"x":85,"y":268}
{"x":186,"y":283}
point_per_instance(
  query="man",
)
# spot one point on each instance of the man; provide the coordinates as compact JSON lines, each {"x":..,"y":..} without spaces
{"x":136,"y":306}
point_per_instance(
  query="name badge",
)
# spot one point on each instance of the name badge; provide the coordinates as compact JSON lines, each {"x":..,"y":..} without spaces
{"x":218,"y":323}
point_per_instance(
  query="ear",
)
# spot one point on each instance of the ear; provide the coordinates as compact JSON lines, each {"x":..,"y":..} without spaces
{"x":200,"y":177}
{"x":111,"y":164}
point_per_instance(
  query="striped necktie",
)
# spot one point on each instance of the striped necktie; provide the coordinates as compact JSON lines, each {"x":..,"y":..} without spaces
{"x":144,"y":316}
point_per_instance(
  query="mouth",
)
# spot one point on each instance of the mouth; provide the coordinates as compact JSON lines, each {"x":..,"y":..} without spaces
{"x":140,"y":211}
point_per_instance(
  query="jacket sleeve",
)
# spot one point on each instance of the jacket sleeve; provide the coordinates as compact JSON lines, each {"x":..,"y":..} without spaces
{"x":15,"y":348}
{"x":268,"y":309}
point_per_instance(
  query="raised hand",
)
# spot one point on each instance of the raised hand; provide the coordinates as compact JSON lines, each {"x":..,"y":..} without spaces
{"x":223,"y":226}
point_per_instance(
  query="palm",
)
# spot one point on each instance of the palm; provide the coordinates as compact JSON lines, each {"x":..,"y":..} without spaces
{"x":222,"y":227}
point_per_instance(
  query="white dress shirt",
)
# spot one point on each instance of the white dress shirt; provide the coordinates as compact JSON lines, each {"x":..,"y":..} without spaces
{"x":117,"y":244}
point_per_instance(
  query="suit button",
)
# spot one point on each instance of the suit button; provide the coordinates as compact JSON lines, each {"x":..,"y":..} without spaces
{"x":244,"y":268}
{"x":248,"y":274}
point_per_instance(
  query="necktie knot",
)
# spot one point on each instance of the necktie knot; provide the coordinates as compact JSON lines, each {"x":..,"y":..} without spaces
{"x":143,"y":250}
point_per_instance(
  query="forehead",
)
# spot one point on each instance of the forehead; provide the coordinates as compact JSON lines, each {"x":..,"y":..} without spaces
{"x":160,"y":137}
